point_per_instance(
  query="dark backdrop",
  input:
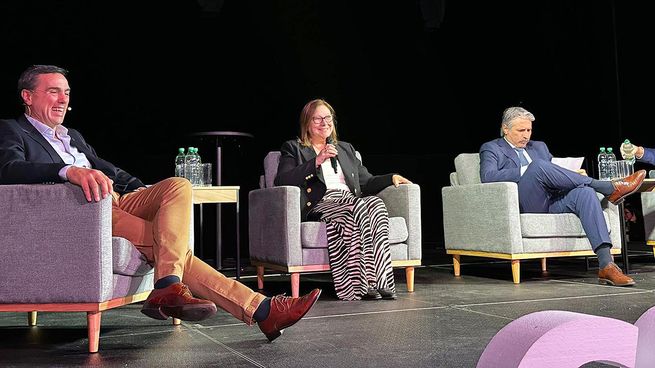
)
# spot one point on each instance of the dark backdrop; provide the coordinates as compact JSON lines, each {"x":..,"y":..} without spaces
{"x":413,"y":82}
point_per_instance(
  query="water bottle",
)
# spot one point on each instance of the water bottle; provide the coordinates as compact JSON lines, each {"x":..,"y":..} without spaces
{"x":179,"y":163}
{"x":197,"y":175}
{"x":628,"y":151}
{"x":189,"y":164}
{"x":602,"y":164}
{"x":611,"y":164}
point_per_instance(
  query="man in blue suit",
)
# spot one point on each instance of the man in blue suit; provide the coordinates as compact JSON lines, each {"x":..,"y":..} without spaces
{"x":547,"y":188}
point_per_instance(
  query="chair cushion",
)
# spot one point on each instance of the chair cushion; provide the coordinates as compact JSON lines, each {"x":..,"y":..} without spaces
{"x":313,"y":233}
{"x":127,"y":260}
{"x":547,"y":225}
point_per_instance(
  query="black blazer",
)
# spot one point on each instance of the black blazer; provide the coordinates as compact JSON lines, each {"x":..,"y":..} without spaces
{"x":298,"y":167}
{"x":27,"y":158}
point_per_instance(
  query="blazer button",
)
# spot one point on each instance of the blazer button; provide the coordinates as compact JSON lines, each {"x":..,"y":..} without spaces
{"x":309,"y":190}
{"x":309,"y":204}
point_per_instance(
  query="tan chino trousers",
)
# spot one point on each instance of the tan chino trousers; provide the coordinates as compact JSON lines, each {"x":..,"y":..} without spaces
{"x":157,"y":221}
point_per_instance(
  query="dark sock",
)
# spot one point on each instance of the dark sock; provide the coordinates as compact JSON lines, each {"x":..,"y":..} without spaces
{"x":602,"y":186}
{"x":604,"y":255}
{"x":166,"y":281}
{"x":262,"y":311}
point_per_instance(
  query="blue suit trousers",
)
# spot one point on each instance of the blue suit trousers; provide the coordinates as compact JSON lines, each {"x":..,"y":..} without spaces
{"x":548,"y":188}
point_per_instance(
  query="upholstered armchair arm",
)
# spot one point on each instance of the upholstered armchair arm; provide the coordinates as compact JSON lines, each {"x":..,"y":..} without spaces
{"x":274,"y":225}
{"x":482,"y":217}
{"x":614,"y":219}
{"x":54,"y":245}
{"x":405,"y":201}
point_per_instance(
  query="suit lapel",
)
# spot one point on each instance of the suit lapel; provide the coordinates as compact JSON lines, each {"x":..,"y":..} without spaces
{"x":34,"y":134}
{"x":509,"y":151}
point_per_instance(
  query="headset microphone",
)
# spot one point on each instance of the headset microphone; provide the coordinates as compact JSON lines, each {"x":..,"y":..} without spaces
{"x":69,"y":108}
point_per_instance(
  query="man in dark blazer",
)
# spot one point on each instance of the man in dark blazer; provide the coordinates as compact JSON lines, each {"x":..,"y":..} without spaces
{"x":547,"y":188}
{"x":37,"y":148}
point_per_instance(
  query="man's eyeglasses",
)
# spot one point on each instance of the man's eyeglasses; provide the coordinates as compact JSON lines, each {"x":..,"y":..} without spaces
{"x":318,"y":119}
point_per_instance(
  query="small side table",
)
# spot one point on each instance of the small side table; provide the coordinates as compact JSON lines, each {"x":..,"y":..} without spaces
{"x":219,"y":138}
{"x":218,"y":195}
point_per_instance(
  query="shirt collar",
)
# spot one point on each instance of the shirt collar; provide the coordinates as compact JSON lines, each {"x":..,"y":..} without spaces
{"x":510,"y":144}
{"x":45,"y":130}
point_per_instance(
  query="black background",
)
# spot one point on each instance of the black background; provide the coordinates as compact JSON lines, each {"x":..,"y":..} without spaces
{"x":413,"y":83}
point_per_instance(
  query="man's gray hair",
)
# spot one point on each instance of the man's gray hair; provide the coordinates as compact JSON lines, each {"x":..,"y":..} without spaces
{"x":512,"y":113}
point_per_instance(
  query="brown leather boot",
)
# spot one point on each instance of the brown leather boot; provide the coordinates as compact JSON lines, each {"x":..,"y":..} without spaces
{"x":285,"y":311}
{"x":612,"y":275}
{"x":177,"y":301}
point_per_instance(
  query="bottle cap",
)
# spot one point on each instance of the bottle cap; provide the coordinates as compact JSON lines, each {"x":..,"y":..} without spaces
{"x":609,"y":149}
{"x":602,"y":149}
{"x":627,"y":141}
{"x":180,"y":150}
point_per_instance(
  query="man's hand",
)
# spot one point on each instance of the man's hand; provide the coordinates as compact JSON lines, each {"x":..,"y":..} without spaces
{"x":397,"y":180}
{"x":94,"y":183}
{"x":581,"y":172}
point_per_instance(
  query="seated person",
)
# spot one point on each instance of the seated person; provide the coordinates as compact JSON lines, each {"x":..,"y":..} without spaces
{"x":338,"y":190}
{"x":37,"y":148}
{"x":547,"y":188}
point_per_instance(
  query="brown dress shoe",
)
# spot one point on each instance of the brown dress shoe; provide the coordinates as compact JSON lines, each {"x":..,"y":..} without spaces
{"x":285,"y":311}
{"x":626,"y":186}
{"x":177,"y":301}
{"x":612,"y":275}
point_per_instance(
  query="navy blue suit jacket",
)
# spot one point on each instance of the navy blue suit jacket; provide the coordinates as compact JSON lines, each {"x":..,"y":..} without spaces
{"x":649,"y":156}
{"x":499,"y":161}
{"x":27,"y":158}
{"x":298,"y":167}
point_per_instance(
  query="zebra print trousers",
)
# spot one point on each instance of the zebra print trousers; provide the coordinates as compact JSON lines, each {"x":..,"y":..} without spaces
{"x":358,"y":242}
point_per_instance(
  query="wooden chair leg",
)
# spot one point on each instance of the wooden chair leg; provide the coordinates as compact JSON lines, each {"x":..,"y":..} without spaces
{"x":543,"y":265}
{"x":409,"y":275}
{"x":516,"y":271}
{"x":295,"y":284}
{"x":31,"y":318}
{"x":93,"y":326}
{"x":260,"y":277}
{"x":176,"y":321}
{"x":456,"y":264}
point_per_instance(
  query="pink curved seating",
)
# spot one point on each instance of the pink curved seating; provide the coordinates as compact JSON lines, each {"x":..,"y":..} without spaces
{"x":565,"y":339}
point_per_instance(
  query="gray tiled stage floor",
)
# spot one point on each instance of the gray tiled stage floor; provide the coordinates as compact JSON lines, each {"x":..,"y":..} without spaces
{"x":447,"y":322}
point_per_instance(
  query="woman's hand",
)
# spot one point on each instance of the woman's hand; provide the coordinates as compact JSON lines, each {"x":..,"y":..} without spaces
{"x":326,"y":153}
{"x":397,"y":180}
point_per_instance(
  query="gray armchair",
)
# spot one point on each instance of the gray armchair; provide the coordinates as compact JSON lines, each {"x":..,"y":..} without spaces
{"x":280,"y":241}
{"x":58,"y":255}
{"x":483,"y":220}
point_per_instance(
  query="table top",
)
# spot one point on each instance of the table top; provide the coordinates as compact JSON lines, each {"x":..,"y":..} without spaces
{"x":647,"y":185}
{"x":223,"y":134}
{"x":216,"y":194}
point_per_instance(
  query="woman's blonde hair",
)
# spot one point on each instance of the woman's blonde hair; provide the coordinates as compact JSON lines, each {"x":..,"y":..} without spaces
{"x":306,"y":118}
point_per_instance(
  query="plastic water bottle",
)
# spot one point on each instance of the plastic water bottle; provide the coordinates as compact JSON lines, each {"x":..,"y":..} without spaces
{"x":602,"y":164}
{"x":611,"y":164}
{"x":189,"y":165}
{"x":197,"y":174}
{"x":179,"y":163}
{"x":628,"y":151}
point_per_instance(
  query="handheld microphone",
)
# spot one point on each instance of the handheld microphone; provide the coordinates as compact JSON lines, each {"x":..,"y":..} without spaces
{"x":333,"y":160}
{"x":69,"y":108}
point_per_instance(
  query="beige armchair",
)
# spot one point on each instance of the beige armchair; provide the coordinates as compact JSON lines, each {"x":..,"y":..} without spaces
{"x":483,"y":220}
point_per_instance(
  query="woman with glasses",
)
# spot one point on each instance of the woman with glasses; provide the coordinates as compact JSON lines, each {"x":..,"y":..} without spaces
{"x":338,"y":190}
